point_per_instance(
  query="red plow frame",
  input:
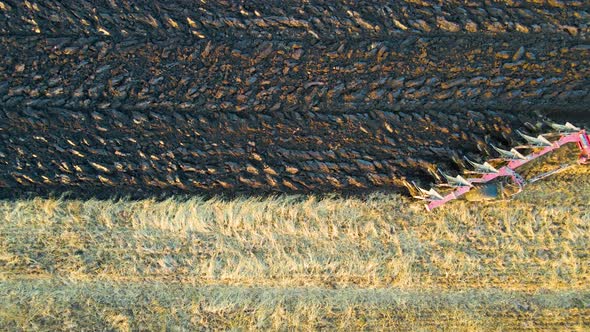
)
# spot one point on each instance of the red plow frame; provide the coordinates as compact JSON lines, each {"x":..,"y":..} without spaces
{"x":567,"y":134}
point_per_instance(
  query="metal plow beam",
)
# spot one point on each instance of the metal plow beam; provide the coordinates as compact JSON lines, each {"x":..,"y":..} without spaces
{"x":567,"y":133}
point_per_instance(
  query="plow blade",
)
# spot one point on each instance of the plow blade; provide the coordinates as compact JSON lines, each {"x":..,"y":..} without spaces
{"x":429,"y":195}
{"x":535,"y":141}
{"x":509,"y":155}
{"x":484,"y":168}
{"x":566,"y":128}
{"x":457,"y":181}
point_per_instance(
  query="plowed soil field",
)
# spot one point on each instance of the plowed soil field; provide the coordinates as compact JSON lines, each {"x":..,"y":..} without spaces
{"x":114,"y":98}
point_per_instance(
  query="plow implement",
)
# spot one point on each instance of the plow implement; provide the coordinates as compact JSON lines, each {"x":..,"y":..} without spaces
{"x":499,"y":177}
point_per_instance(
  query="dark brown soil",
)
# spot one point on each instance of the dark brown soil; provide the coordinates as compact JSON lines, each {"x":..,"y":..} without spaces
{"x":115,"y":99}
